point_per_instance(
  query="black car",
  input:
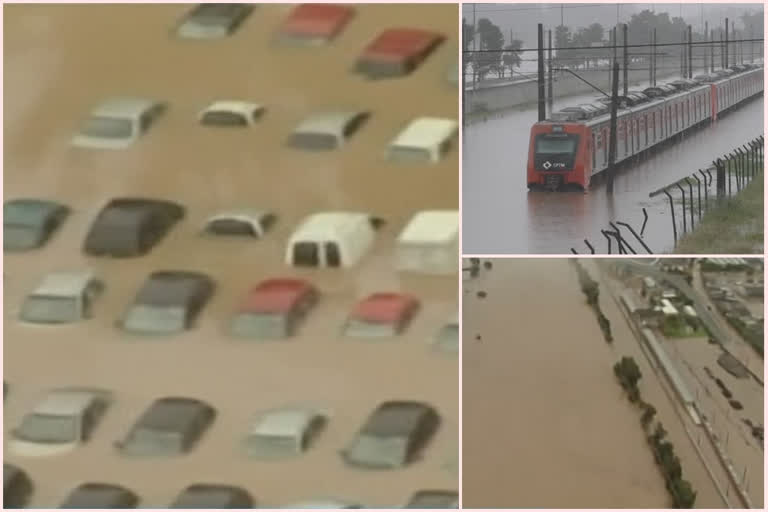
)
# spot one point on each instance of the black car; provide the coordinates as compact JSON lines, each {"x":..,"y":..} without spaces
{"x":170,"y":426}
{"x":168,"y":302}
{"x":393,"y":435}
{"x":100,"y":495}
{"x":130,"y":227}
{"x":213,"y":496}
{"x":29,"y":223}
{"x":17,"y":487}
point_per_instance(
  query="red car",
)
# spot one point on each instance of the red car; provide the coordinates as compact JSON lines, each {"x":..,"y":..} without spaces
{"x":397,"y":52}
{"x":381,"y":315}
{"x":274,"y":309}
{"x":315,"y":23}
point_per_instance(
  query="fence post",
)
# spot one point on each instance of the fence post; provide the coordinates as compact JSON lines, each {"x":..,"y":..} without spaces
{"x":685,"y":222}
{"x":706,"y":189}
{"x":621,"y":239}
{"x":605,"y":234}
{"x":690,"y":189}
{"x":720,"y":182}
{"x":745,"y":157}
{"x":733,"y":164}
{"x":698,"y":192}
{"x":671,"y":209}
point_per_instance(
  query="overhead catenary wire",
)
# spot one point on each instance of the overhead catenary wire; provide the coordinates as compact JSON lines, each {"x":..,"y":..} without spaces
{"x":646,"y":45}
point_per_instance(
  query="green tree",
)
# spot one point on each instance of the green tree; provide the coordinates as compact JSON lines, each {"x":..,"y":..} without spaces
{"x":686,"y":496}
{"x":491,"y":41}
{"x":511,"y":57}
{"x":658,"y":434}
{"x":649,"y":412}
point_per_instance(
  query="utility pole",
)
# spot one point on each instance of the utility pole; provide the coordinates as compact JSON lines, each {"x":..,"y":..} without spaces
{"x":690,"y":52}
{"x":561,"y":15}
{"x":707,"y":47}
{"x":751,"y":45}
{"x":651,"y":56}
{"x":654,"y":58}
{"x":550,"y":96}
{"x":682,"y":57}
{"x":722,"y":51}
{"x":612,"y":136}
{"x":474,"y":49}
{"x":542,"y":104}
{"x":626,"y":60}
{"x":615,"y":49}
{"x":727,"y":49}
{"x":733,"y":37}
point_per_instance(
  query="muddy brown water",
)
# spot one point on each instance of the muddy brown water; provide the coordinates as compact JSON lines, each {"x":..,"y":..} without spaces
{"x":59,"y":62}
{"x":545,"y":425}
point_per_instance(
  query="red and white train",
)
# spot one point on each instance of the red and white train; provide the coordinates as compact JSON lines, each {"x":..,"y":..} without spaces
{"x":572,"y":147}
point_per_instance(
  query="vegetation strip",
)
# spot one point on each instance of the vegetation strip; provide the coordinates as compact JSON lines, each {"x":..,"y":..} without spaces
{"x":591,"y":289}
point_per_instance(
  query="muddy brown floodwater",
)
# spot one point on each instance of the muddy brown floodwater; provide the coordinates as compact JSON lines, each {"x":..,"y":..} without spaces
{"x":545,"y":424}
{"x":59,"y":62}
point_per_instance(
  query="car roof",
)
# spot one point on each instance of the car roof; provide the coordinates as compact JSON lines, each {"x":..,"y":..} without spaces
{"x":330,"y":225}
{"x":172,"y":414}
{"x":328,"y":121}
{"x":209,"y":496}
{"x":96,"y":494}
{"x":142,"y":203}
{"x":250,"y":215}
{"x":245,"y":108}
{"x":383,"y":307}
{"x":426,"y":133}
{"x":396,"y":418}
{"x":431,"y":227}
{"x":283,"y":422}
{"x":401,"y":43}
{"x":124,"y":106}
{"x":68,"y":401}
{"x":24,"y":211}
{"x":65,"y":283}
{"x":274,"y":295}
{"x":318,"y":20}
{"x":172,"y":288}
{"x":324,"y":503}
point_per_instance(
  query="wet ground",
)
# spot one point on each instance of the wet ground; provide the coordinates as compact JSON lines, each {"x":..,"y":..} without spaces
{"x":59,"y":62}
{"x":541,"y":405}
{"x":500,"y":216}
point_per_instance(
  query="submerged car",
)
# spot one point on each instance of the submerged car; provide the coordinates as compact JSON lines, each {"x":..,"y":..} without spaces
{"x":62,"y":297}
{"x":17,"y":487}
{"x":118,"y":123}
{"x":392,"y":436}
{"x":213,"y":21}
{"x":65,"y":419}
{"x":244,"y":222}
{"x":231,"y":113}
{"x":424,"y":140}
{"x":434,"y":499}
{"x":213,"y":496}
{"x":397,"y":52}
{"x":314,"y":24}
{"x":131,"y":227}
{"x":324,"y":503}
{"x":284,"y":432}
{"x":324,"y":131}
{"x":168,"y":302}
{"x":30,"y":223}
{"x":170,"y":426}
{"x":100,"y":495}
{"x":381,"y":315}
{"x":274,"y":309}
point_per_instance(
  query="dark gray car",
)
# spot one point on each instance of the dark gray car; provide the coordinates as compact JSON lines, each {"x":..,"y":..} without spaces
{"x":213,"y":496}
{"x":100,"y":495}
{"x":17,"y":487}
{"x":213,"y":21}
{"x":168,"y":303}
{"x":392,"y":436}
{"x":170,"y":426}
{"x":29,"y":223}
{"x":130,"y":227}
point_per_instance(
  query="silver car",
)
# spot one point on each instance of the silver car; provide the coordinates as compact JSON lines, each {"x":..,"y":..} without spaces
{"x":284,"y":432}
{"x":62,"y":297}
{"x":118,"y":122}
{"x":65,"y":419}
{"x":327,"y":130}
{"x":213,"y":21}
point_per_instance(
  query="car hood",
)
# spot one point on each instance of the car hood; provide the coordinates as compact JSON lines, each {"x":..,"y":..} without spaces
{"x":86,"y":141}
{"x":32,"y":449}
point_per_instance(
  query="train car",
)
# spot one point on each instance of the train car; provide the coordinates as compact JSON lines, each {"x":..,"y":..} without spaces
{"x":571,"y":147}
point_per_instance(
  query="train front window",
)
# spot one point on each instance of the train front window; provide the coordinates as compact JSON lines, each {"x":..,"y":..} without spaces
{"x":551,"y":144}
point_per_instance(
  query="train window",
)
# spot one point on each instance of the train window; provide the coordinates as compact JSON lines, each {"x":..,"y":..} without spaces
{"x":594,"y":158}
{"x":605,"y":146}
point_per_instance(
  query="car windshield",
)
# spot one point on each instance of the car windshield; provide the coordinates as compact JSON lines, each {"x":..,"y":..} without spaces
{"x":448,"y":338}
{"x":409,"y":154}
{"x":375,"y":451}
{"x":50,"y":309}
{"x":146,"y":441}
{"x":108,"y":127}
{"x":223,"y":118}
{"x":356,"y":328}
{"x":47,"y":428}
{"x":260,"y":325}
{"x":19,"y":237}
{"x":555,"y":145}
{"x":154,"y":319}
{"x":230,"y":227}
{"x":266,"y":446}
{"x":314,"y":141}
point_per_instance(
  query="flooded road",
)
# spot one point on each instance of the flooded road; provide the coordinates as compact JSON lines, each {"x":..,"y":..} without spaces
{"x":500,"y":216}
{"x":545,"y":424}
{"x":62,"y":60}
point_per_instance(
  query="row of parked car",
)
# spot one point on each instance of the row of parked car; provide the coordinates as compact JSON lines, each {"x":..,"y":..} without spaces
{"x":169,"y":302}
{"x":131,"y":227}
{"x":602,"y":105}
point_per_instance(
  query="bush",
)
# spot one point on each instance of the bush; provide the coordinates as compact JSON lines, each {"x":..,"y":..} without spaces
{"x":683,"y":493}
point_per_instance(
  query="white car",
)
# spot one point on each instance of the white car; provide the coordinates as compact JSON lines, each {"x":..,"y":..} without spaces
{"x":285,"y":432}
{"x":118,"y":122}
{"x":65,"y":419}
{"x":231,"y":113}
{"x":327,"y":130}
{"x":62,"y":298}
{"x":424,"y":140}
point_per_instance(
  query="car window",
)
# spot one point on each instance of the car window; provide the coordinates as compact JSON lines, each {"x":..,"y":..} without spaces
{"x":314,"y":141}
{"x":230,"y":227}
{"x":332,"y":254}
{"x":306,"y":254}
{"x":223,"y":118}
{"x":355,"y":124}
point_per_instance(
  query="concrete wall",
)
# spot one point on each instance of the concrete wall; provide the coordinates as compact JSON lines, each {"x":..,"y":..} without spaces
{"x":499,"y":96}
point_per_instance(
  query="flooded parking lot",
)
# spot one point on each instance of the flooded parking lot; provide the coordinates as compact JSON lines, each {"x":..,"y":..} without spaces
{"x":62,"y":60}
